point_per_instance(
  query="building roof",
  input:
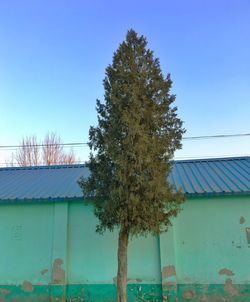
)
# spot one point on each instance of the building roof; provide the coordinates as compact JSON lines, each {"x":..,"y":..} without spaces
{"x":218,"y":176}
{"x":200,"y":177}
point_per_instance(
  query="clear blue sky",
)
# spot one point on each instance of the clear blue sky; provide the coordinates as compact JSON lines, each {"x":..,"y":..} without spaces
{"x":53,"y":56}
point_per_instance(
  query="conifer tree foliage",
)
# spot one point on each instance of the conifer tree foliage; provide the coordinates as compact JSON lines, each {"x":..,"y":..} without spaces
{"x":132,"y":149}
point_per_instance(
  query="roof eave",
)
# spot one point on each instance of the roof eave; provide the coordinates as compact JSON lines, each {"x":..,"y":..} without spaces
{"x":214,"y":194}
{"x":81,"y":199}
{"x":41,"y":200}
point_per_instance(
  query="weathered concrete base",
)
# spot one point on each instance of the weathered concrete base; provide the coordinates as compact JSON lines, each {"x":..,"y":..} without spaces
{"x":227,"y":292}
{"x":18,"y":294}
{"x":80,"y":293}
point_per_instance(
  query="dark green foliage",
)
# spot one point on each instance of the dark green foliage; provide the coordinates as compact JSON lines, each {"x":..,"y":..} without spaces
{"x":138,"y":131}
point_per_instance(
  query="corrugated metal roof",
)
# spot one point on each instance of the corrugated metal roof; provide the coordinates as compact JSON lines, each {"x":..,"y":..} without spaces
{"x":220,"y":176}
{"x":52,"y":183}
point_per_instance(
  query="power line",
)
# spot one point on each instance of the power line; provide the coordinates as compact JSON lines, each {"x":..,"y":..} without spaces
{"x":15,"y":164}
{"x":215,"y":136}
{"x":14,"y":148}
{"x":42,"y":145}
{"x":78,"y":144}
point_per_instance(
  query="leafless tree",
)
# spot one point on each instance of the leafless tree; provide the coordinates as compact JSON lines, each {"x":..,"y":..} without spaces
{"x":69,"y":158}
{"x":48,"y":152}
{"x":52,"y":149}
{"x":28,"y":153}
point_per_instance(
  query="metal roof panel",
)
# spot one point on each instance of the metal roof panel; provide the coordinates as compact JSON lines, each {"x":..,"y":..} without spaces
{"x":193,"y":177}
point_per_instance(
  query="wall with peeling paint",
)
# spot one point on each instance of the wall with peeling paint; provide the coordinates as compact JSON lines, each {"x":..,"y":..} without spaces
{"x":212,"y":254}
{"x":26,"y":233}
{"x":101,"y":252}
{"x":214,"y":246}
{"x":50,"y":252}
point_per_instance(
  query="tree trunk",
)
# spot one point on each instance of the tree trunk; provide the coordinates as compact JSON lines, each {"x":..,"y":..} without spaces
{"x":122,"y":266}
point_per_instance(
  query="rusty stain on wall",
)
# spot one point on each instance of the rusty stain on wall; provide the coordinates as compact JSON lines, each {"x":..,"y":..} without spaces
{"x":242,"y":220}
{"x":4,"y":291}
{"x":58,"y":274}
{"x":248,"y":235}
{"x":227,"y":272}
{"x":169,"y":286}
{"x":27,"y":287}
{"x":129,"y":280}
{"x":188,"y":294}
{"x":168,"y":271}
{"x":230,"y":288}
{"x":44,"y":271}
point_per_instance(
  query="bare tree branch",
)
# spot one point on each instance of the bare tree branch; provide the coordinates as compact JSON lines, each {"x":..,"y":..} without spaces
{"x":52,"y":152}
{"x":69,"y":158}
{"x":28,"y":153}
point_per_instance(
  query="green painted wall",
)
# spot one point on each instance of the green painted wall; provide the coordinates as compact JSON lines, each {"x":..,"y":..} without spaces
{"x":212,"y":254}
{"x":101,"y":251}
{"x":210,"y":235}
{"x":26,"y":237}
{"x":50,"y":252}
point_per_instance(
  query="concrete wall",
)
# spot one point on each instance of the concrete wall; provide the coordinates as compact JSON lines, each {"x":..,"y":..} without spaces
{"x":50,"y":252}
{"x":212,"y":253}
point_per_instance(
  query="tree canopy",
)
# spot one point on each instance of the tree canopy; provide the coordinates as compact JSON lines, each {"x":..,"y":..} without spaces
{"x":132,"y":150}
{"x":138,"y":131}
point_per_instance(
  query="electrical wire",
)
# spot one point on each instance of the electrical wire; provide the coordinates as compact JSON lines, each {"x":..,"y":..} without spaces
{"x":78,"y":144}
{"x":215,"y":136}
{"x":85,"y":144}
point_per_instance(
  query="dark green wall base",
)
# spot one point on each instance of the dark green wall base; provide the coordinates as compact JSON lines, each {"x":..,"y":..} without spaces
{"x":79,"y":293}
{"x":227,"y":292}
{"x":107,"y":292}
{"x":17,"y":294}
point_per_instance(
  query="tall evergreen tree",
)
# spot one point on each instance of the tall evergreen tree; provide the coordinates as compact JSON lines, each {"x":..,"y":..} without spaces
{"x":133,"y":145}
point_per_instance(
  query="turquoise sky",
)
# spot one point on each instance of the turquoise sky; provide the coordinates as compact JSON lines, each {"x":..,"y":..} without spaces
{"x":53,"y":56}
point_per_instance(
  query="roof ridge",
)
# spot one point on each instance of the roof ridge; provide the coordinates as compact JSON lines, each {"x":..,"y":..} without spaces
{"x":63,"y":166}
{"x":211,"y":159}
